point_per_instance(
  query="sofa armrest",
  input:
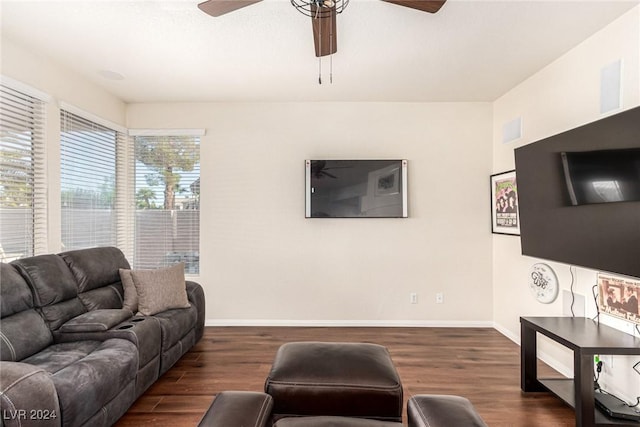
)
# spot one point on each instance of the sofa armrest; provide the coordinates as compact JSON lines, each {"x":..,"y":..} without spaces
{"x":195,"y":293}
{"x":96,"y":321}
{"x":238,"y":409}
{"x":442,"y":411}
{"x":28,"y":397}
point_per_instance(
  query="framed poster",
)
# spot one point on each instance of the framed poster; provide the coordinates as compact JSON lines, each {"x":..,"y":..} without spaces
{"x":505,"y":218}
{"x":619,"y":296}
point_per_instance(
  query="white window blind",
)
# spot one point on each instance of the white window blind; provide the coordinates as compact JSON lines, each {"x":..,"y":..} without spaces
{"x":23,"y":213}
{"x":167,"y":197}
{"x":88,"y":181}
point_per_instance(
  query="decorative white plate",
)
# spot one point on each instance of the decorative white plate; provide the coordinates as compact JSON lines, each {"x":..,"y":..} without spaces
{"x":543,"y":283}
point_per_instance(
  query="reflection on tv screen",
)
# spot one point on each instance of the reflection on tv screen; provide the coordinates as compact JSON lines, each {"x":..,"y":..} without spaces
{"x":603,"y":176}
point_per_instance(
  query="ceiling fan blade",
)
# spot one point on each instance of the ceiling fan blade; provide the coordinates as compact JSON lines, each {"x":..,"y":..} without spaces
{"x":324,"y":30}
{"x":431,"y":6}
{"x":221,"y":7}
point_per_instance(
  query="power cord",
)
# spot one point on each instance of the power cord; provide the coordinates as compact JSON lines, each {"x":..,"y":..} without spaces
{"x":596,"y":375}
{"x":636,"y":368}
{"x":595,"y":299}
{"x":573,"y":295}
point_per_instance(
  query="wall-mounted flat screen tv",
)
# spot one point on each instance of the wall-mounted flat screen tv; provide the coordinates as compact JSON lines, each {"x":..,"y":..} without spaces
{"x":578,"y":195}
{"x":356,"y":189}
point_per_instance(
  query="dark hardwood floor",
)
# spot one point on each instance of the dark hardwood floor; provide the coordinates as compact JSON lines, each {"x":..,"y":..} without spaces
{"x":478,"y":363}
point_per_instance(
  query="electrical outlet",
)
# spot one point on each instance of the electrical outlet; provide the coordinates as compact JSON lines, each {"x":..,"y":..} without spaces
{"x":413,"y":298}
{"x":439,"y":298}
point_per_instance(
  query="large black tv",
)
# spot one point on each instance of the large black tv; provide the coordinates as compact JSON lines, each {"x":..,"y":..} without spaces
{"x":356,"y":189}
{"x":593,"y":229}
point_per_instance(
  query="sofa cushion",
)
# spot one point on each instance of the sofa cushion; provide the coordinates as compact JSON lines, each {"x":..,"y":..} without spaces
{"x":49,"y":278}
{"x":96,"y":321}
{"x":130,"y":294}
{"x":21,"y":386}
{"x":96,"y":267}
{"x":88,"y":375}
{"x":107,"y":297}
{"x":23,"y":332}
{"x":161,"y":289}
{"x":57,"y":315}
{"x":15,"y":293}
{"x":22,"y":335}
{"x":54,"y":288}
{"x":58,"y":356}
{"x":175,"y":324}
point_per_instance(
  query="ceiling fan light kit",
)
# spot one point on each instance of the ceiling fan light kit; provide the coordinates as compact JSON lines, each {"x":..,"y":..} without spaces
{"x":323,"y":19}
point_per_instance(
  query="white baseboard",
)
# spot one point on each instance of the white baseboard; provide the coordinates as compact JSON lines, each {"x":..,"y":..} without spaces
{"x":565,"y":370}
{"x":351,"y":323}
{"x":507,"y":333}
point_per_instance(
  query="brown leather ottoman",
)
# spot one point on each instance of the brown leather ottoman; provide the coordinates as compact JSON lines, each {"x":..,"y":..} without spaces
{"x":335,"y":379}
{"x":442,"y":411}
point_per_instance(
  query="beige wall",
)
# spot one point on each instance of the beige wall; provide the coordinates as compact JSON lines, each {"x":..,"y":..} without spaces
{"x":61,"y":86}
{"x":263,"y":262}
{"x":562,"y":96}
{"x":39,"y":72}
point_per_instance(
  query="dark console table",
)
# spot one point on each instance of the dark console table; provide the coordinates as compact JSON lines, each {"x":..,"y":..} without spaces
{"x":586,"y":338}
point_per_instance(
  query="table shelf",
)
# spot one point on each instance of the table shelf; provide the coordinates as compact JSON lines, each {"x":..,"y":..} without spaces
{"x":586,"y":338}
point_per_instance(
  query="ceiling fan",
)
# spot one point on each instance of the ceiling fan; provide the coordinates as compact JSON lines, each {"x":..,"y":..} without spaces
{"x":322,"y":13}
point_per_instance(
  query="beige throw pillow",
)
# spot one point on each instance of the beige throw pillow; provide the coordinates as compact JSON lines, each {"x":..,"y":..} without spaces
{"x":130,"y":294}
{"x":161,"y":289}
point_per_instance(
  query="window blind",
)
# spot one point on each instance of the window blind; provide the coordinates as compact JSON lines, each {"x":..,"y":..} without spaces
{"x":88,"y":182}
{"x":167,"y":198}
{"x":23,"y":213}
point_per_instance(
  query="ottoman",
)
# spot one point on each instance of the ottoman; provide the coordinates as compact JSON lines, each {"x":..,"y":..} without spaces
{"x":335,"y":379}
{"x":442,"y":411}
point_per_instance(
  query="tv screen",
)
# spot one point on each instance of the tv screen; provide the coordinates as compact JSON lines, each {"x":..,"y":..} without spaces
{"x":596,"y":162}
{"x":602,"y":176}
{"x":356,"y":189}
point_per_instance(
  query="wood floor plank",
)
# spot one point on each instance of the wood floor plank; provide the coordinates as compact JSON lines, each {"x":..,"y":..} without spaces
{"x":478,"y":363}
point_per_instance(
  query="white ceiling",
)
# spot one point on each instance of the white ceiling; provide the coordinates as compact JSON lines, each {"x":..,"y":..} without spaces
{"x":170,"y":51}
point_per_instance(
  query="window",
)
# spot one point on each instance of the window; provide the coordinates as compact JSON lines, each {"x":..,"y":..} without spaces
{"x":88,"y":163}
{"x":22,"y":183}
{"x":167,"y":198}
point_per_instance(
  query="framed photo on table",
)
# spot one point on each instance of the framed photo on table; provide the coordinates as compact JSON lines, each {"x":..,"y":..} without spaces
{"x":505,"y":217}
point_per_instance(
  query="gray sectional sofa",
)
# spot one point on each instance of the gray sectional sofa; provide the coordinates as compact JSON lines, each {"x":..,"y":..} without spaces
{"x":70,"y":354}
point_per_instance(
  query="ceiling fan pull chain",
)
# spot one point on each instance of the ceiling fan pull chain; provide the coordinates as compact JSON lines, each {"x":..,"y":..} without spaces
{"x":331,"y":68}
{"x":333,"y":16}
{"x":317,"y":17}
